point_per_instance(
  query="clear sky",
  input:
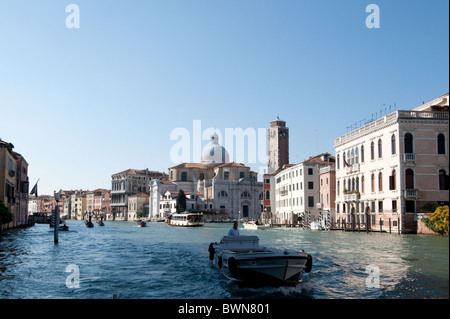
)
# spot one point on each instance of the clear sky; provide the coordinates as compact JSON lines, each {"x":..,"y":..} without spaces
{"x":82,"y":104}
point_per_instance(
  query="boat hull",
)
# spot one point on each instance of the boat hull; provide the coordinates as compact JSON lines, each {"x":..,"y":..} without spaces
{"x":260,"y":267}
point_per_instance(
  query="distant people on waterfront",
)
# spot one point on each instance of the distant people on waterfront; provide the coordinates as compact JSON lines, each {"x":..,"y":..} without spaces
{"x":234,"y":231}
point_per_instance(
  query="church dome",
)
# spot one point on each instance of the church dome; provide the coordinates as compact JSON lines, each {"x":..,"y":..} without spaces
{"x":213,"y":153}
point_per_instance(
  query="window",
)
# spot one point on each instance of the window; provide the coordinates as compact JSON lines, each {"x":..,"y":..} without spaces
{"x":410,"y":206}
{"x":380,"y":182}
{"x":443,"y":180}
{"x":362,"y":154}
{"x":373,"y":183}
{"x":409,"y":178}
{"x":357,"y":156}
{"x":245,"y":194}
{"x":310,"y":171}
{"x":184,"y":176}
{"x":441,"y":143}
{"x":226,"y":175}
{"x":372,"y":151}
{"x":394,"y":206}
{"x":380,"y":148}
{"x":380,"y":206}
{"x":223,"y":194}
{"x":267,"y":195}
{"x":338,"y":159}
{"x":241,"y":175}
{"x":310,"y":201}
{"x":338,"y":184}
{"x":310,"y":185}
{"x":393,"y":145}
{"x":408,"y":140}
{"x":362,"y":184}
{"x":202,"y":176}
{"x":392,"y":181}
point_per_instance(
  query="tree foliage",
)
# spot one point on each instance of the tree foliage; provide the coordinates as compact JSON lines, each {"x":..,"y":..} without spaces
{"x":5,"y":215}
{"x":181,"y":202}
{"x":440,"y":219}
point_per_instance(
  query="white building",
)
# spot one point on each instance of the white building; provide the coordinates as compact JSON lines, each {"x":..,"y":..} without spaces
{"x":219,"y":186}
{"x":388,"y":169}
{"x":297,"y":190}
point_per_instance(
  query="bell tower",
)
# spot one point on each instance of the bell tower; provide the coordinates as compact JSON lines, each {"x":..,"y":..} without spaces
{"x":278,"y":145}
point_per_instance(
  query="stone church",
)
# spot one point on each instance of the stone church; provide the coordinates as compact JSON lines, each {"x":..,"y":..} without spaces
{"x":215,"y":185}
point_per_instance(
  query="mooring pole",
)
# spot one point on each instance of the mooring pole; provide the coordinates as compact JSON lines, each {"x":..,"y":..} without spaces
{"x":56,"y":230}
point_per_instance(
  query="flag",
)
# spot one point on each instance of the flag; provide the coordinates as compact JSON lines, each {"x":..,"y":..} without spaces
{"x":346,"y":164}
{"x":34,"y":190}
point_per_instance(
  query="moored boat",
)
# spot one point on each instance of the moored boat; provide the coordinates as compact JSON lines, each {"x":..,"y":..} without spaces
{"x":186,"y":220}
{"x":242,"y":260}
{"x":255,"y":225}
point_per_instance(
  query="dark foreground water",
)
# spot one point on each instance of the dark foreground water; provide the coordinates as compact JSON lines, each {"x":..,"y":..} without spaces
{"x":163,"y":262}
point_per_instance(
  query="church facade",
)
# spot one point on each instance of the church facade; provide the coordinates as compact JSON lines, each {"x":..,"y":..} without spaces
{"x":215,"y":185}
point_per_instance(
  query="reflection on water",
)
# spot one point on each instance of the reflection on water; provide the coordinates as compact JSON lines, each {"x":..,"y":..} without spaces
{"x":160,"y":261}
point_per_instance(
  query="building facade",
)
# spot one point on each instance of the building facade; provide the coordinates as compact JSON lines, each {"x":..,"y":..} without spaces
{"x":218,"y":186}
{"x":388,"y":169}
{"x":125,"y":184}
{"x":297,"y":190}
{"x":14,"y":184}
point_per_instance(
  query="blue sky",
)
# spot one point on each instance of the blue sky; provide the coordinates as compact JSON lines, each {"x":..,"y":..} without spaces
{"x":82,"y":104}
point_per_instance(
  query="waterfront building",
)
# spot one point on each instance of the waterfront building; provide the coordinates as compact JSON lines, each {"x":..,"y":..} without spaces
{"x":327,"y":193}
{"x":297,"y":190}
{"x":390,"y":168}
{"x":14,"y":184}
{"x":78,"y":205}
{"x":217,"y":186}
{"x":136,"y":203}
{"x":126,"y":183}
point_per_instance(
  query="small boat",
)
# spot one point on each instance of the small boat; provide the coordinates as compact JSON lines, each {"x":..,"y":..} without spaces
{"x":186,"y":220}
{"x":317,"y":225}
{"x":242,"y":260}
{"x":255,"y":225}
{"x":89,"y":223}
{"x":63,"y":228}
{"x":101,"y":223}
{"x":142,"y":223}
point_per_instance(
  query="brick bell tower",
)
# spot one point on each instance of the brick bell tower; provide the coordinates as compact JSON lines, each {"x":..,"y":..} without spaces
{"x":278,"y":145}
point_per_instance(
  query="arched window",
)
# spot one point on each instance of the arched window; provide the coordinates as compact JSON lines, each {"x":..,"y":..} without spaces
{"x":380,"y":182}
{"x":353,"y":157}
{"x":362,"y":154}
{"x":362,"y":184}
{"x":357,"y":156}
{"x":380,"y":148}
{"x":338,"y":184}
{"x":409,"y":179}
{"x":373,"y":183}
{"x":338,"y":159}
{"x":267,"y":195}
{"x":441,"y":143}
{"x":393,"y":145}
{"x":408,"y":140}
{"x":357,"y":184}
{"x":372,"y":151}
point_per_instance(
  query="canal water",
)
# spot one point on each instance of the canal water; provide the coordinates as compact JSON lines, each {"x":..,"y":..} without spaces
{"x":163,"y":262}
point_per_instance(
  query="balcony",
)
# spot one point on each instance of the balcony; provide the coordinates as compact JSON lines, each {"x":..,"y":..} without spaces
{"x":352,"y":169}
{"x":411,"y":193}
{"x":409,"y":157}
{"x":352,"y":197}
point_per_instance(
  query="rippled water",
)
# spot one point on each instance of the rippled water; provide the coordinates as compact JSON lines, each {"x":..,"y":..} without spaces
{"x":160,"y":261}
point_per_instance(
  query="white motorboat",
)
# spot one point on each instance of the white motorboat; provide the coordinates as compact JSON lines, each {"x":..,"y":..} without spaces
{"x":317,"y":225}
{"x":186,"y":220}
{"x":242,"y":260}
{"x":254,"y":225}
